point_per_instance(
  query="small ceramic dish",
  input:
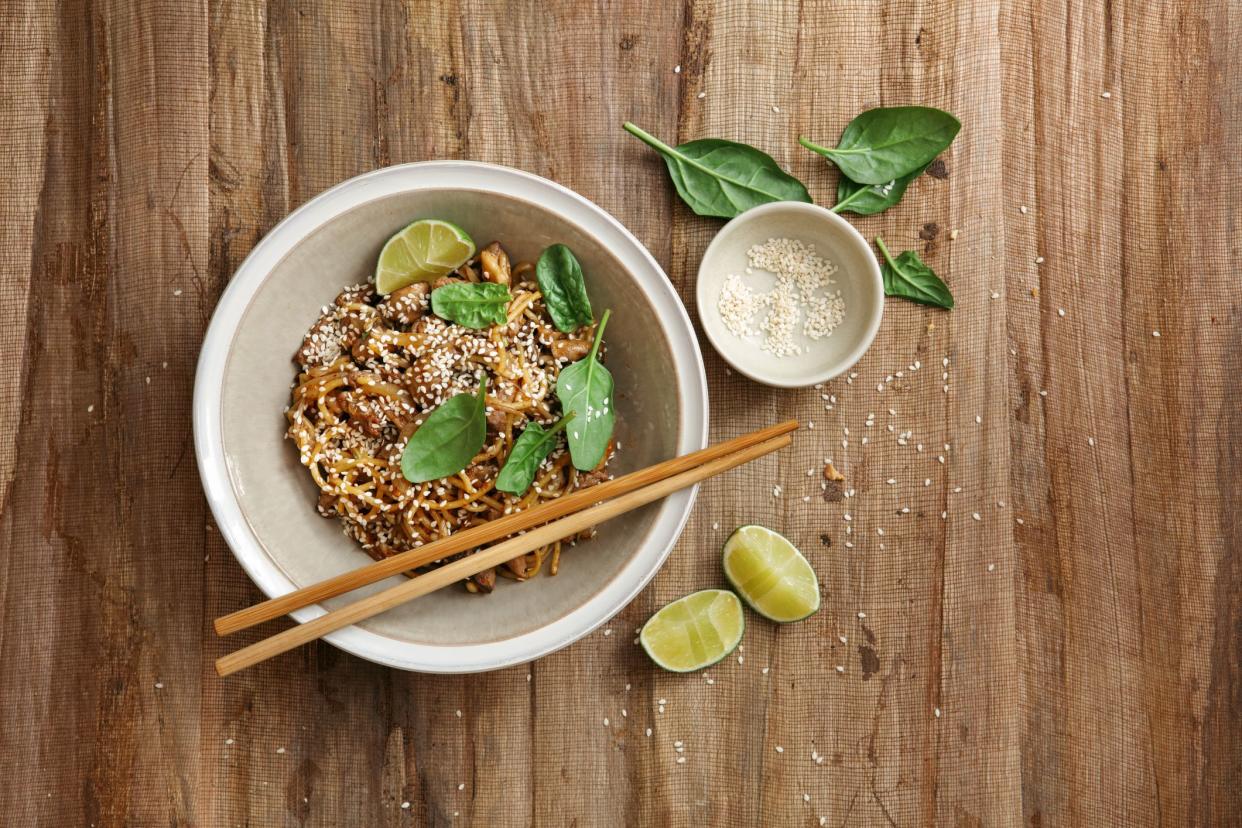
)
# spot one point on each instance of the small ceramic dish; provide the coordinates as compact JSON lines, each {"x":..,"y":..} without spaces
{"x":857,"y":278}
{"x":264,"y":500}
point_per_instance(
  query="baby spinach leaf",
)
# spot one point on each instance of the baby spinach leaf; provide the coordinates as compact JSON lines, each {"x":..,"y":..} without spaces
{"x":907,"y":277}
{"x":472,"y":304}
{"x":869,"y":199}
{"x":448,"y":439}
{"x":529,"y":450}
{"x":564,"y":290}
{"x":585,"y":387}
{"x":723,"y":178}
{"x":887,"y":143}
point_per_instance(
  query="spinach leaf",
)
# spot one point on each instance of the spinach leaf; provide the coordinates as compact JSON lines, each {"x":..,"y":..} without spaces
{"x":585,"y":387}
{"x":907,"y":277}
{"x":887,"y":143}
{"x":564,"y":290}
{"x":472,"y":304}
{"x":869,"y":199}
{"x":723,"y":178}
{"x":529,"y":450}
{"x":448,"y":439}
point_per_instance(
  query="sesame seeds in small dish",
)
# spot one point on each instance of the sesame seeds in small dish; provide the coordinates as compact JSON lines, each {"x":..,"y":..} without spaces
{"x":790,"y":294}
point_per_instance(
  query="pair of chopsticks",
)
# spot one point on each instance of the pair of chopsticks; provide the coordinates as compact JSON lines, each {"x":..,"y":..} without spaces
{"x":541,"y":525}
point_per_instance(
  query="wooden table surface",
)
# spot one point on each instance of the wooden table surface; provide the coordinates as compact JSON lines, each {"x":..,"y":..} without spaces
{"x":1051,"y":635}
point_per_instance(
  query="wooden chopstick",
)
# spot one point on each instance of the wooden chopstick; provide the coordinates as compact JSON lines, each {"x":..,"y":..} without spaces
{"x":486,"y":532}
{"x":491,"y":556}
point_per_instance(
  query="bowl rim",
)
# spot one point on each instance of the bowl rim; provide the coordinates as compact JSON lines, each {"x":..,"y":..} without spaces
{"x":715,"y":334}
{"x":639,"y":264}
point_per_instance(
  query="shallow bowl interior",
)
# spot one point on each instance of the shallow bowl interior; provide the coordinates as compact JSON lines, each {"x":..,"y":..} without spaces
{"x":857,"y":277}
{"x":276,"y":495}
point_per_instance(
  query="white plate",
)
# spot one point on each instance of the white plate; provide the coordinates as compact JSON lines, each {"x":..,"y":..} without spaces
{"x":263,"y":501}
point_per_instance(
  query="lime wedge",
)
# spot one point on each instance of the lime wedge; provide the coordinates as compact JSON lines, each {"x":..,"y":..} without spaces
{"x":695,"y":631}
{"x":422,"y":252}
{"x":770,"y":574}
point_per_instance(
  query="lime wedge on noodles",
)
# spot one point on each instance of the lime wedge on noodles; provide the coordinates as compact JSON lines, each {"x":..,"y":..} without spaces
{"x":422,"y":252}
{"x":695,"y":631}
{"x":770,"y":574}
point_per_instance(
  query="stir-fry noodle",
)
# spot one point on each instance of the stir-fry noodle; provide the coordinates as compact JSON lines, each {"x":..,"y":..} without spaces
{"x":371,"y":369}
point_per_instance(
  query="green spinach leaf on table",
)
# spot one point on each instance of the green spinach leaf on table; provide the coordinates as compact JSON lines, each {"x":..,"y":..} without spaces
{"x":563,"y":287}
{"x":869,"y":199}
{"x":908,"y":277}
{"x":585,"y":387}
{"x":723,"y":178}
{"x":448,"y":439}
{"x":529,"y":450}
{"x":472,"y":304}
{"x":884,"y":144}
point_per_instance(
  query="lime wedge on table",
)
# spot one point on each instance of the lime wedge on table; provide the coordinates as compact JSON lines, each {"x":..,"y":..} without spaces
{"x":695,"y":631}
{"x":422,"y":252}
{"x":770,"y":574}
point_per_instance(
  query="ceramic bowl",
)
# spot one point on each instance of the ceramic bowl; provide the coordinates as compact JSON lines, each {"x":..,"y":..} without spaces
{"x":263,"y":499}
{"x":857,"y":277}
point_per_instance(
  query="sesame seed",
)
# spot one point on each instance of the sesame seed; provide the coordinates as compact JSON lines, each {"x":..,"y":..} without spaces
{"x":1022,"y":209}
{"x":677,"y":69}
{"x":1060,"y":311}
{"x":1106,"y":94}
{"x":1156,"y":334}
{"x":780,"y":749}
{"x":702,"y":95}
{"x":840,"y":668}
{"x":976,"y":516}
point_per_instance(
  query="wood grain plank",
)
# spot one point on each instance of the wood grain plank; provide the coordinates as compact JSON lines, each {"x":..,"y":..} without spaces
{"x":100,"y":546}
{"x":1124,"y":531}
